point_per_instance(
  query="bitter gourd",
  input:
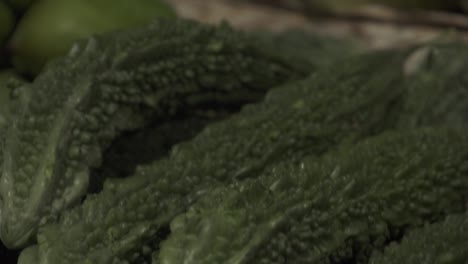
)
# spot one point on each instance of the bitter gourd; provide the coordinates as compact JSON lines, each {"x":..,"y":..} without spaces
{"x":148,"y":145}
{"x":348,"y":101}
{"x":439,"y":243}
{"x":10,"y":82}
{"x":335,"y":210}
{"x":112,"y":83}
{"x":338,"y":105}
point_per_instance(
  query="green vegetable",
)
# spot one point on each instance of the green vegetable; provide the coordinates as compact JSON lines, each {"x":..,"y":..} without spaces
{"x":335,"y":210}
{"x":50,"y":27}
{"x":9,"y":81}
{"x":438,"y":243}
{"x":6,"y":23}
{"x":337,"y":105}
{"x":4,"y":96}
{"x":352,"y":99}
{"x":111,"y":84}
{"x":147,"y":145}
{"x":464,"y":4}
{"x":20,"y":4}
{"x":86,"y":117}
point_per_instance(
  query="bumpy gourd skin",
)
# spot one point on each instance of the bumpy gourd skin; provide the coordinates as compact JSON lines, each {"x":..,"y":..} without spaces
{"x":444,"y":242}
{"x":334,"y":210}
{"x":337,"y":105}
{"x":148,"y":145}
{"x":10,"y":83}
{"x":113,"y":83}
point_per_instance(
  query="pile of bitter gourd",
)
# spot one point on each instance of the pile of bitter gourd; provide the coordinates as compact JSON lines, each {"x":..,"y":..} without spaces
{"x":179,"y":142}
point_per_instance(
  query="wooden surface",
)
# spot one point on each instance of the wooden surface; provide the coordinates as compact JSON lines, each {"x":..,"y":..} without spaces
{"x":378,"y":27}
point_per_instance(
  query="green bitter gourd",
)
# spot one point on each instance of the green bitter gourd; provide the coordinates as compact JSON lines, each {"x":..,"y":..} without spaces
{"x":112,"y":83}
{"x":350,"y":100}
{"x":334,"y":210}
{"x":444,"y":242}
{"x":338,"y":105}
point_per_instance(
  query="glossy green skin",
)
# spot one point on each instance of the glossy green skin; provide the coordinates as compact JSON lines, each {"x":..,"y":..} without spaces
{"x":444,"y":242}
{"x":110,"y":84}
{"x":6,"y":23}
{"x":123,"y":222}
{"x":334,"y":210}
{"x":50,"y":27}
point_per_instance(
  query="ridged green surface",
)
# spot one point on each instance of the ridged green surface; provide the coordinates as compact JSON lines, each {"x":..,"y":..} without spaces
{"x":112,"y":83}
{"x":10,"y":82}
{"x":314,"y":50}
{"x":334,"y":210}
{"x":445,"y":242}
{"x":147,"y":145}
{"x":338,"y":105}
{"x":350,"y":100}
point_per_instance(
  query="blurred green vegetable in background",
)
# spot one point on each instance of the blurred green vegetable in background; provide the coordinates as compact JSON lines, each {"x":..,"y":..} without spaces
{"x":6,"y":22}
{"x":49,"y":27}
{"x":20,"y":4}
{"x":464,"y":5}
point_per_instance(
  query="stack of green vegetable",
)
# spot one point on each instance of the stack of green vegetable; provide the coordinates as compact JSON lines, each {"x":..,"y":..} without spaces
{"x":178,"y":142}
{"x":34,"y":32}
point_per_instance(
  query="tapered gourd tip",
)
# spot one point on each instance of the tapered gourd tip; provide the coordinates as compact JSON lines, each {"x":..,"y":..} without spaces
{"x":13,"y":237}
{"x":29,"y":255}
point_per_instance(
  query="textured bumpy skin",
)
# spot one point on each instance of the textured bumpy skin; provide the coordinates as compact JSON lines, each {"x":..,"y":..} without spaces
{"x":439,"y":243}
{"x":114,"y":83}
{"x":122,"y":224}
{"x":336,"y":210}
